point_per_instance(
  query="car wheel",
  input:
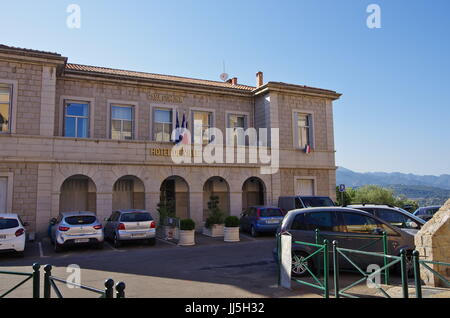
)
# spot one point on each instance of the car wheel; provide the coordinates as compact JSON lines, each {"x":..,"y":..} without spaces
{"x":253,"y":231}
{"x":20,"y":254}
{"x":57,"y":247}
{"x":299,"y":265}
{"x":116,"y":241}
{"x":152,"y":241}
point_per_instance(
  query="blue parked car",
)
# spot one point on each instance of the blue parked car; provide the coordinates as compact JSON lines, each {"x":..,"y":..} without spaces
{"x":257,"y":219}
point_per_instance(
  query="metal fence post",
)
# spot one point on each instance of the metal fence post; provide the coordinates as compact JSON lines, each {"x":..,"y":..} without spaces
{"x":336,"y":269}
{"x":326,"y":269}
{"x":120,"y":290}
{"x":36,"y":280}
{"x":417,"y":278}
{"x":386,"y":252}
{"x":109,"y":288}
{"x":319,"y":263}
{"x":404,"y":273}
{"x":47,"y":285}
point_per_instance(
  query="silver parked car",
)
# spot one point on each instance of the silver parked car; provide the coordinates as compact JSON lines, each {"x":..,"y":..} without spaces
{"x":76,"y":228}
{"x":126,"y":225}
{"x":395,"y":216}
{"x":353,"y":229}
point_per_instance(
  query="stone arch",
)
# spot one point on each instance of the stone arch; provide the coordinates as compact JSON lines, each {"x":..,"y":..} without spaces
{"x":175,"y":190}
{"x":253,"y":192}
{"x":78,"y":193}
{"x":128,"y":192}
{"x":217,"y":186}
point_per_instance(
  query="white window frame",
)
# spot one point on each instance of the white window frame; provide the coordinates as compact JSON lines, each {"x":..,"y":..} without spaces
{"x":66,"y":102}
{"x":76,"y":99}
{"x":12,"y":105}
{"x":201,"y":110}
{"x":9,"y":189}
{"x":295,"y":137}
{"x":298,"y":178}
{"x":135,"y":106}
{"x":174,"y":110}
{"x":246,"y":116}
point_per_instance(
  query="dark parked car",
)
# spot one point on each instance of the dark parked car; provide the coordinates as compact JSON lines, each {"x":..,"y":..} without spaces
{"x":257,"y":219}
{"x":353,"y":229}
{"x":426,"y":213}
{"x":393,"y":215}
{"x":288,"y":203}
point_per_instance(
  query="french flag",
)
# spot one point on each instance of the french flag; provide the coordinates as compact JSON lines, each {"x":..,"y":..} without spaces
{"x":184,"y":138}
{"x":308,"y":149}
{"x":176,"y":132}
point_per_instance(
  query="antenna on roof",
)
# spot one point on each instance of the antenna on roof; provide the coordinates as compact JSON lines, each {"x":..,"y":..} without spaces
{"x":224,"y":76}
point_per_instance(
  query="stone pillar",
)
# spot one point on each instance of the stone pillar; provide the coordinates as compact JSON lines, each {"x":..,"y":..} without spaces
{"x":151,"y":204}
{"x":44,"y":199}
{"x":104,"y":205}
{"x":196,"y":208}
{"x":47,"y":118}
{"x":433,"y":244}
{"x":235,"y":203}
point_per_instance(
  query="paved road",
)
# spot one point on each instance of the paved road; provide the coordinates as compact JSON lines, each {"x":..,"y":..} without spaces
{"x":212,"y":268}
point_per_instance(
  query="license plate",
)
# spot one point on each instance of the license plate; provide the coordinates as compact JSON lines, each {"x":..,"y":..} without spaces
{"x":138,"y":235}
{"x":2,"y":237}
{"x":82,"y":241}
{"x":273,"y":221}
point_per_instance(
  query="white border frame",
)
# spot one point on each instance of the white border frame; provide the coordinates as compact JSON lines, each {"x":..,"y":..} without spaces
{"x":117,"y":102}
{"x":13,"y":104}
{"x":9,"y":189}
{"x":62,"y":103}
{"x":297,"y":178}
{"x":171,"y":107}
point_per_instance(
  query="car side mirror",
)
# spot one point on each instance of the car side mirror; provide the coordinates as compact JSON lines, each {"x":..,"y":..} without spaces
{"x":53,"y":221}
{"x":107,"y":219}
{"x":412,"y":224}
{"x":378,"y":231}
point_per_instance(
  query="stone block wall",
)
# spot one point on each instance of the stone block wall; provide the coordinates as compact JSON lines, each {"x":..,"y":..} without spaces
{"x":433,"y":244}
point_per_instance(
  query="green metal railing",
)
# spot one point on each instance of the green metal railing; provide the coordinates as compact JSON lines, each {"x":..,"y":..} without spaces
{"x":34,"y":276}
{"x":344,"y":252}
{"x":108,"y":292}
{"x":425,"y":264}
{"x":322,"y":285}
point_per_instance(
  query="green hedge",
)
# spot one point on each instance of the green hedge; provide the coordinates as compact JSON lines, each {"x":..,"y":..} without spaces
{"x":187,"y":225}
{"x":232,"y":221}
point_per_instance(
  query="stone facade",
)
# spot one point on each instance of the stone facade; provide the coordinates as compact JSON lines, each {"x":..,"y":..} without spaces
{"x":37,"y":159}
{"x":433,"y":244}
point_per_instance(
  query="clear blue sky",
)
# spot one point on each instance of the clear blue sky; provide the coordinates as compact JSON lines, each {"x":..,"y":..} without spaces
{"x":395,"y":111}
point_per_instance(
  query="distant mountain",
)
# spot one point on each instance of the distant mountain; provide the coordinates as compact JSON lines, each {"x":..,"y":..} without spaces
{"x":426,"y":190}
{"x":355,"y":179}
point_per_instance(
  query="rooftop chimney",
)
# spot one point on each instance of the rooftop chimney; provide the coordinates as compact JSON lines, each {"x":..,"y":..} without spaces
{"x":234,"y":81}
{"x":259,"y":79}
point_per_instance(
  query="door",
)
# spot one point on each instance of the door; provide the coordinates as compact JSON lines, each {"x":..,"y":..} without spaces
{"x":3,"y":194}
{"x":305,"y":187}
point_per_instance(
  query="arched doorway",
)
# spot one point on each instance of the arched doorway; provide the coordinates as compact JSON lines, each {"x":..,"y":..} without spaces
{"x":128,"y":193}
{"x":175,"y":192}
{"x":253,"y":192}
{"x":216,"y":186}
{"x":78,"y":193}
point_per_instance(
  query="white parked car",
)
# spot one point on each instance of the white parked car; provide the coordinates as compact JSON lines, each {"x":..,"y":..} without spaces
{"x":12,"y":233}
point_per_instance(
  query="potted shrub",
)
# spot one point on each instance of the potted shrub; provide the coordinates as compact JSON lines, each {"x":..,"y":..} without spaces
{"x":214,"y":223}
{"x":231,"y":231}
{"x":168,"y":220}
{"x":187,"y":232}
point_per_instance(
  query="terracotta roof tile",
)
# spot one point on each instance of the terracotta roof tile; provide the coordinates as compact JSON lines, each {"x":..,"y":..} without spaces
{"x":110,"y":71}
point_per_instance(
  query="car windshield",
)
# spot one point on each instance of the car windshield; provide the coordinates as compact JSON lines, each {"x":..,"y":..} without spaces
{"x":80,"y":219}
{"x":313,"y":202}
{"x":271,"y":212}
{"x":8,"y":224}
{"x":136,"y":217}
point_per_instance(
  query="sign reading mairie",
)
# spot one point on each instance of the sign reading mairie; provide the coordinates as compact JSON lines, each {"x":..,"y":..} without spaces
{"x":165,"y":98}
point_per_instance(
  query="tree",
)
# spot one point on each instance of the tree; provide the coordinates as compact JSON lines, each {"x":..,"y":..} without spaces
{"x":166,"y":210}
{"x":216,"y":216}
{"x":372,"y":194}
{"x":348,"y":195}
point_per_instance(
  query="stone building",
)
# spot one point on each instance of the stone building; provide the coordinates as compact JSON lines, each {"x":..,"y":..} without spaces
{"x":76,"y":137}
